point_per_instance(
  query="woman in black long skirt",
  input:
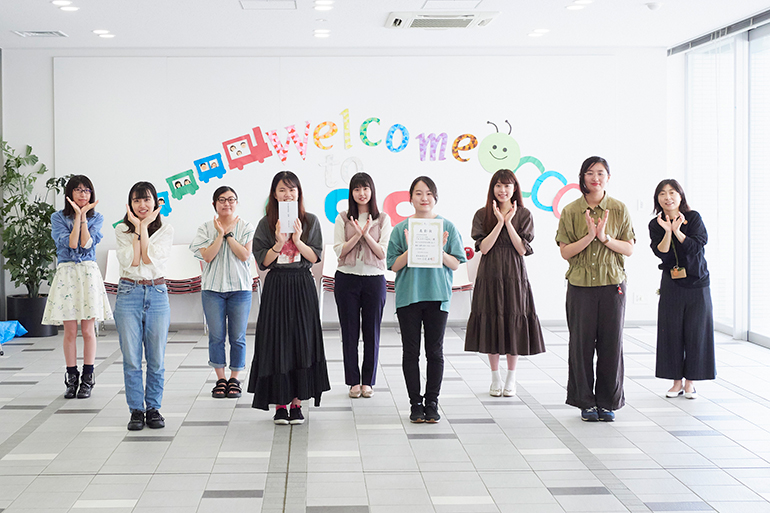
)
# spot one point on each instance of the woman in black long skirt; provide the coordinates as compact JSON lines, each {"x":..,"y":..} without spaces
{"x":289,"y":363}
{"x":685,"y":316}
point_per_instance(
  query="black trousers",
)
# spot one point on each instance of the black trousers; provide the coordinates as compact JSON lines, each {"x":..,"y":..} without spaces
{"x":360,"y":300}
{"x":411,"y":319}
{"x":685,"y":332}
{"x":595,"y":318}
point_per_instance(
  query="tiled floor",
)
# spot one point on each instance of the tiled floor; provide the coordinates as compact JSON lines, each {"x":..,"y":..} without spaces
{"x":530,"y":453}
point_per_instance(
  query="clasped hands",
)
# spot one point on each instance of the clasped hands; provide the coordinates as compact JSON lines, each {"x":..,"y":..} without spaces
{"x":597,"y":230}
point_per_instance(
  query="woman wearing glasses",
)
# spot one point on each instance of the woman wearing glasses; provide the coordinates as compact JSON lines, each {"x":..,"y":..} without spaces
{"x":224,"y":245}
{"x":77,"y":292}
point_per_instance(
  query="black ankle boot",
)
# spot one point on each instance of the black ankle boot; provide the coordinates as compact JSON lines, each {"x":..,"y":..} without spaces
{"x":86,"y":384}
{"x":71,"y":380}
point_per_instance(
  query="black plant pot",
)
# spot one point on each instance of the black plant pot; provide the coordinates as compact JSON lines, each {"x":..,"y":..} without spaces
{"x":29,"y":312}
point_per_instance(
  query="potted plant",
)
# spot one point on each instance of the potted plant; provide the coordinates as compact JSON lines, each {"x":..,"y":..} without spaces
{"x":25,"y":228}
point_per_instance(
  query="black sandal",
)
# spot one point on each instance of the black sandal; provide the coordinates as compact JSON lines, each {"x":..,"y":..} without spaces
{"x":234,"y":388}
{"x":220,"y":389}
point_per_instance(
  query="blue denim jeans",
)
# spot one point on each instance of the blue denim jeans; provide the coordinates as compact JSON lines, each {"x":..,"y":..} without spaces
{"x":227,"y":312}
{"x":142,"y":317}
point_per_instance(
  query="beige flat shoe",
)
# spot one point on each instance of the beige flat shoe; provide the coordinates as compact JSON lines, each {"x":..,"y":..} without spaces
{"x":496,"y":389}
{"x":355,"y":391}
{"x":367,"y":391}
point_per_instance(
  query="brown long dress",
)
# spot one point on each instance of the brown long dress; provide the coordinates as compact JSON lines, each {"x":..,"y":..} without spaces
{"x":503,"y":318}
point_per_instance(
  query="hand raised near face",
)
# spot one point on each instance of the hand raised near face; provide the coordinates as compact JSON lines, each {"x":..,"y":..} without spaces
{"x":664,"y":223}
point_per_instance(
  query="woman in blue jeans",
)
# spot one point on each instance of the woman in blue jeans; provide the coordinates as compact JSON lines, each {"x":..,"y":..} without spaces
{"x":224,"y":245}
{"x":142,"y":313}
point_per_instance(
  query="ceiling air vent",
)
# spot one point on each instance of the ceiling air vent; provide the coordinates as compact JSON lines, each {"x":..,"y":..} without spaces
{"x":40,"y":33}
{"x":439,"y":20}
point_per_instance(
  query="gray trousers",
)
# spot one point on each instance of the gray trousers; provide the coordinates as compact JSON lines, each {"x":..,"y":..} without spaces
{"x":595,"y":318}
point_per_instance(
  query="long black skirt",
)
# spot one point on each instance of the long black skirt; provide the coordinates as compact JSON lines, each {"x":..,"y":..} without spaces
{"x":289,"y":356}
{"x":685,"y":332}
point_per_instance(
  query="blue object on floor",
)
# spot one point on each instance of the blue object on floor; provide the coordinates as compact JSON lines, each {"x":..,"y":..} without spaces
{"x":9,"y":330}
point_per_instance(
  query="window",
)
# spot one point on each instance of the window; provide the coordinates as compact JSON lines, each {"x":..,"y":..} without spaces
{"x":759,"y":183}
{"x":710,"y":186}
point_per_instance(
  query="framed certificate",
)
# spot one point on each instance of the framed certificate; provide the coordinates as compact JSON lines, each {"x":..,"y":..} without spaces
{"x":287,"y":213}
{"x":425,"y":242}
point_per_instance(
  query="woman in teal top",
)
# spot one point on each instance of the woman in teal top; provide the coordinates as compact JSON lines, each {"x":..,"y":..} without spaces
{"x":422,"y":301}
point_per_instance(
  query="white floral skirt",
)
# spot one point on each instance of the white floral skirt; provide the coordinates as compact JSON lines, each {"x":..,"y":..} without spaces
{"x":77,"y":293}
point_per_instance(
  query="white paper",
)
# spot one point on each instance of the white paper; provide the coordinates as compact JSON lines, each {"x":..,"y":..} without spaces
{"x":287,"y":213}
{"x":425,"y":242}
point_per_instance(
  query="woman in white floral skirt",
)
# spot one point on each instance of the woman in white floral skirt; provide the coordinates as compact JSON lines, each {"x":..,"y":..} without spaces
{"x":77,"y":293}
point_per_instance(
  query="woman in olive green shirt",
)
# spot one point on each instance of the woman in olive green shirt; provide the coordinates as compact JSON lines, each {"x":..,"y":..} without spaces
{"x":595,"y":235}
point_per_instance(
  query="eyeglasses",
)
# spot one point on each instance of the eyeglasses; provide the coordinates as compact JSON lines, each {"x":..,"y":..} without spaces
{"x":81,"y":190}
{"x":231,"y":201}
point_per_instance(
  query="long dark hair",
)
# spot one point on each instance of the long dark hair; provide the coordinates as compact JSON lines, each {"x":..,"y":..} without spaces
{"x":143,"y":190}
{"x":220,"y":191}
{"x":272,"y":204}
{"x":69,"y":189}
{"x":590,"y":161}
{"x":505,"y":176}
{"x":683,"y":206}
{"x":362,"y":180}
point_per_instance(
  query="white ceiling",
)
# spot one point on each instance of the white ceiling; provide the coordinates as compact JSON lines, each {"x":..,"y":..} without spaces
{"x":185,"y":24}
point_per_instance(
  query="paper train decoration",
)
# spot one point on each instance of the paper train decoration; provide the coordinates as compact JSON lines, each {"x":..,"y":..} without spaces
{"x":182,"y":184}
{"x":165,"y":204}
{"x":210,"y":167}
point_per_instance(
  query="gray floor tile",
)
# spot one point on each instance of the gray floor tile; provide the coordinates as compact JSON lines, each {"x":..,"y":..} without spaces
{"x":528,"y":453}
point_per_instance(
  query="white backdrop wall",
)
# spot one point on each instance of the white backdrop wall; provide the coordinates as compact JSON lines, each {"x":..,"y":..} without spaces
{"x":120,"y":118}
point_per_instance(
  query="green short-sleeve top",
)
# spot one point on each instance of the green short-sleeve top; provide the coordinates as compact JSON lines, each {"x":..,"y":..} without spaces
{"x":597,"y":265}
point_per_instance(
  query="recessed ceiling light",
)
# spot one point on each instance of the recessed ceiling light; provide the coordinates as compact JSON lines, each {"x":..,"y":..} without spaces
{"x":574,"y":7}
{"x":541,"y":31}
{"x":69,"y":8}
{"x":321,"y":34}
{"x":107,"y":36}
{"x":535,"y":34}
{"x":99,"y":32}
{"x":61,"y":2}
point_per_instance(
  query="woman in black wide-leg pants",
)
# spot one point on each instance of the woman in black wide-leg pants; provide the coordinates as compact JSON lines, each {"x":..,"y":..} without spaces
{"x":685,"y":348}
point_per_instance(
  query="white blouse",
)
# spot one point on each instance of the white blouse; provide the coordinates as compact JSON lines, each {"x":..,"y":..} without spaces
{"x":158,"y":250}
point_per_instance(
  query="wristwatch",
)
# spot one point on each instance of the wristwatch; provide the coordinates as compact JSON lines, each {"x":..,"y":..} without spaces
{"x":228,"y":234}
{"x":607,"y":238}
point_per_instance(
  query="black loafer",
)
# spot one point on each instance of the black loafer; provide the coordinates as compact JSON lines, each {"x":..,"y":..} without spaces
{"x":154,"y":419}
{"x":137,"y":420}
{"x":87,"y":382}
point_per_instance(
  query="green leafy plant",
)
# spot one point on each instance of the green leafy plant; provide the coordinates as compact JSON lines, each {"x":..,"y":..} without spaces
{"x":25,"y":219}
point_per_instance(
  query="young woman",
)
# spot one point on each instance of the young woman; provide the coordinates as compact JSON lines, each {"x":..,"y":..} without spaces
{"x":142,"y":313}
{"x":422,"y":301}
{"x":503,"y":318}
{"x":685,"y":315}
{"x":77,"y":293}
{"x":361,"y":235}
{"x":289,"y":365}
{"x":224,"y":245}
{"x":595,"y":235}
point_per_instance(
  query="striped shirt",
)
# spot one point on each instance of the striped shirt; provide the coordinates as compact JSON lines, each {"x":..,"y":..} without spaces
{"x":226,"y":272}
